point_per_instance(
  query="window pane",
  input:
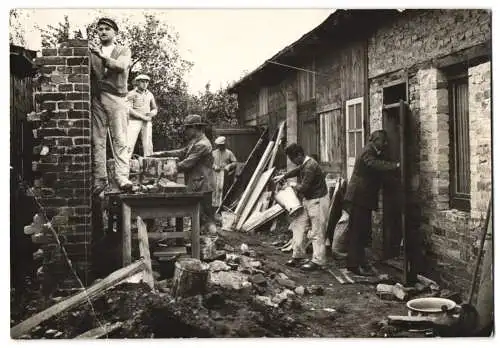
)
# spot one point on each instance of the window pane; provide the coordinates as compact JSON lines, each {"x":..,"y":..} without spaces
{"x":350,"y":117}
{"x":352,"y":148}
{"x":462,"y":143}
{"x":359,"y":142}
{"x":358,"y":116}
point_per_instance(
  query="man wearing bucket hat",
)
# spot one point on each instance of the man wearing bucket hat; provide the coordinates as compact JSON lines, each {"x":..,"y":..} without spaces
{"x":196,"y":162}
{"x":225,"y":161}
{"x":142,"y":109}
{"x":313,"y":192}
{"x":361,"y":198}
{"x":109,"y":63}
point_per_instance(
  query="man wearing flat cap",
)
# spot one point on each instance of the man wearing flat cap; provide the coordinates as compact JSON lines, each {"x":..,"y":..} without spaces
{"x":142,"y":109}
{"x":196,"y":162}
{"x":110,"y":64}
{"x":224,"y":166}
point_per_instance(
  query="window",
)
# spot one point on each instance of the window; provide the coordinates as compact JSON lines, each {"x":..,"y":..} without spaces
{"x":306,"y":84}
{"x":355,"y":132}
{"x":459,"y":143}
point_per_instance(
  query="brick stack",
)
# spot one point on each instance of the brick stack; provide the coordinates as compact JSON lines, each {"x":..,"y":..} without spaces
{"x":65,"y":186}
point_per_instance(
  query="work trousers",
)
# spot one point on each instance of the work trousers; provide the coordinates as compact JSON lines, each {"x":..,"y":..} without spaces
{"x":109,"y":111}
{"x":358,"y":235}
{"x":312,"y":218}
{"x":145,"y":128}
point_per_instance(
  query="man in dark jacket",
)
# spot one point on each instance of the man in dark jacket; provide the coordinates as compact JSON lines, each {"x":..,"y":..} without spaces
{"x":312,"y":190}
{"x":361,"y":198}
{"x":196,"y":162}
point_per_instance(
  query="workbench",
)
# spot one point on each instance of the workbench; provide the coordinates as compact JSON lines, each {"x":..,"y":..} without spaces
{"x":158,"y":205}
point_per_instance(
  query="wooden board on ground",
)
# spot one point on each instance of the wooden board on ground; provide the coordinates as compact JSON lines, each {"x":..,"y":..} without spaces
{"x":263,"y":217}
{"x":88,"y":294}
{"x":100,"y":331}
{"x":254,"y":196}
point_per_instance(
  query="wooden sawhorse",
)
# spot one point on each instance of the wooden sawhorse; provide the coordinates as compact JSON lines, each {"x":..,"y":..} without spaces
{"x":159,"y":205}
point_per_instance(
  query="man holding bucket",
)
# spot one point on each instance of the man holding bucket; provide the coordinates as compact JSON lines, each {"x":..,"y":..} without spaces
{"x":196,"y":162}
{"x":313,"y":192}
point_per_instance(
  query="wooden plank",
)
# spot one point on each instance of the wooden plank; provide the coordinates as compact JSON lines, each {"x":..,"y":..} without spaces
{"x":100,"y":331}
{"x":88,"y":294}
{"x":126,"y":235}
{"x":405,"y":320}
{"x":241,"y":180}
{"x":261,"y":184}
{"x":253,"y":181}
{"x":279,"y":139}
{"x":195,"y":233}
{"x":145,"y":253}
{"x":262,"y":218}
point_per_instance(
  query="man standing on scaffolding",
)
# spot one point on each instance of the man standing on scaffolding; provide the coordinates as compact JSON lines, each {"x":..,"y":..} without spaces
{"x":110,"y":64}
{"x":142,"y":109}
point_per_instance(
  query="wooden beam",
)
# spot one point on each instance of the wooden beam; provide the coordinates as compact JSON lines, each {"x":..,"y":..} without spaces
{"x":145,"y":253}
{"x":253,"y":181}
{"x":73,"y":301}
{"x":279,"y":139}
{"x":100,"y":331}
{"x":259,"y":187}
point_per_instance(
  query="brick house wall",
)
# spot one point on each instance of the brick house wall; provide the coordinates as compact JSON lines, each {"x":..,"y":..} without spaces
{"x":407,"y":49}
{"x":65,"y":186}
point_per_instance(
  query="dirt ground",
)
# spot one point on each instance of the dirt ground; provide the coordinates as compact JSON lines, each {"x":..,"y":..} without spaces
{"x":328,"y":310}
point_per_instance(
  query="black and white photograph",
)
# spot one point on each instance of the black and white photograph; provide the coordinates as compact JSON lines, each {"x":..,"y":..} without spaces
{"x":251,"y":172}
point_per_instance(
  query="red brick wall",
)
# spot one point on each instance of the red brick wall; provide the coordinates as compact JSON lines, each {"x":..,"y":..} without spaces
{"x":66,"y":171}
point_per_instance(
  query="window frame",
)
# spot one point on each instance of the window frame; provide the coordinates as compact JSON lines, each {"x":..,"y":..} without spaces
{"x":349,"y":159}
{"x":458,"y":200}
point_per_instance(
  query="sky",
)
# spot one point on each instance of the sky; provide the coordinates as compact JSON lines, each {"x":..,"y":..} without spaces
{"x":223,"y":44}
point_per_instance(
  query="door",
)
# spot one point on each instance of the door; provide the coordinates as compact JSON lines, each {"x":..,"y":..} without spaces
{"x":392,"y":186}
{"x":355,"y":132}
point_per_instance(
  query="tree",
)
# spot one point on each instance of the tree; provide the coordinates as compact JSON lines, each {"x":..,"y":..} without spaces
{"x":16,"y":32}
{"x":219,"y":107}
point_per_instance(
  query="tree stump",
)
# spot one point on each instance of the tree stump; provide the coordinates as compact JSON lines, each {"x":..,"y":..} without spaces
{"x":190,"y":278}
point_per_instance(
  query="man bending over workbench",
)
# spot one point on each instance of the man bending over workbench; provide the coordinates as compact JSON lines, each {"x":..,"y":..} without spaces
{"x":196,"y":162}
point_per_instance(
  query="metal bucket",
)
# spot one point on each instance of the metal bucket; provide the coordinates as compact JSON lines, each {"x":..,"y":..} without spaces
{"x":430,"y":306}
{"x":288,"y":200}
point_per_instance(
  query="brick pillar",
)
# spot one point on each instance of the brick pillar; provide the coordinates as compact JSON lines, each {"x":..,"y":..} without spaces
{"x":66,"y":170}
{"x":291,"y":121}
{"x":434,"y":138}
{"x":480,"y":138}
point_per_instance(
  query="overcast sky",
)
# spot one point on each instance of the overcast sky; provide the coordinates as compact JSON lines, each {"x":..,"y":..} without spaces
{"x":222,"y":44}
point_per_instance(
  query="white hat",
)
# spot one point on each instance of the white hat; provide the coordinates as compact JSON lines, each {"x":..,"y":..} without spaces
{"x":220,"y":141}
{"x":142,"y":77}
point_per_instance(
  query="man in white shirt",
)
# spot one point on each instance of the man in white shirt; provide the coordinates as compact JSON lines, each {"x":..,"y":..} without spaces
{"x":142,"y":109}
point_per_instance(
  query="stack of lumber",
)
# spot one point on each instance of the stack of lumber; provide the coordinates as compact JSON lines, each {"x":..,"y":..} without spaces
{"x":254,"y":206}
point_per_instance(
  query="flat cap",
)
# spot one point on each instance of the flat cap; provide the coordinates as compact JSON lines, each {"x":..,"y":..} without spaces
{"x":108,"y":21}
{"x":141,"y":77}
{"x":220,"y":141}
